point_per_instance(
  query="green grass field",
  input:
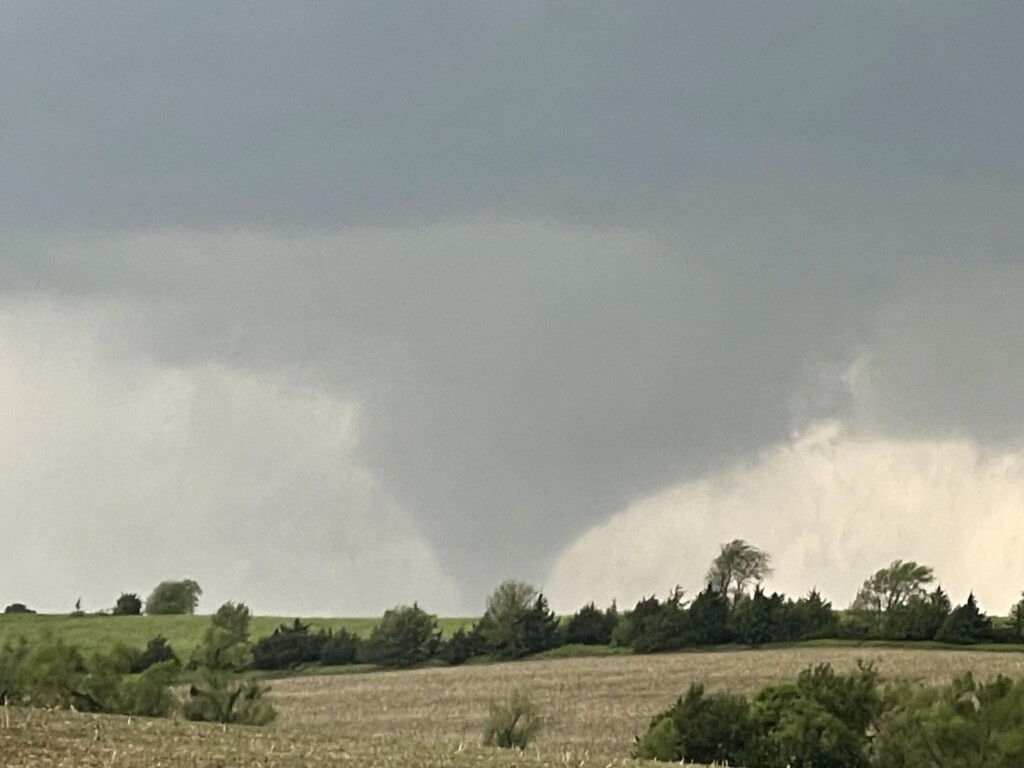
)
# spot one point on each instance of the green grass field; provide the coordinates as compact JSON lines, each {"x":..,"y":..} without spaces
{"x":91,"y":633}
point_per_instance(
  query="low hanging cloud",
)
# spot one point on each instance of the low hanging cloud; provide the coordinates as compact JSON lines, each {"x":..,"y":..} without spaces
{"x":120,"y":471}
{"x":831,"y":507}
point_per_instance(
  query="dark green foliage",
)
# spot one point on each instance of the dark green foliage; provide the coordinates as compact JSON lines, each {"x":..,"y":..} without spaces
{"x":12,"y":655}
{"x":288,"y":647}
{"x":758,"y":619}
{"x":18,"y":608}
{"x":50,"y":672}
{"x":655,"y":626}
{"x":216,"y":697}
{"x":1017,"y":619}
{"x":340,"y":647}
{"x":512,"y":724}
{"x":964,"y":724}
{"x":292,"y":645}
{"x":707,"y":729}
{"x":128,"y":604}
{"x":517,"y":622}
{"x":174,"y":598}
{"x":920,"y":618}
{"x":709,"y":617}
{"x":966,"y":624}
{"x":405,"y":636}
{"x":462,"y":646}
{"x":808,"y":618}
{"x":822,"y":720}
{"x":157,"y":651}
{"x":592,"y":626}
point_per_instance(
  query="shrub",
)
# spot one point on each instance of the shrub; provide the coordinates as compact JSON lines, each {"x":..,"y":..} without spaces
{"x":12,"y":654}
{"x":157,"y":651}
{"x":149,"y":694}
{"x":592,"y":626}
{"x":18,"y":608}
{"x":966,"y":624}
{"x":340,"y":647}
{"x":655,"y":626}
{"x":822,"y":720}
{"x":405,"y":636}
{"x":216,"y":698}
{"x":462,"y":646}
{"x":964,"y":724}
{"x":50,"y":672}
{"x":512,"y":724}
{"x":709,"y":617}
{"x":174,"y":598}
{"x":128,"y":604}
{"x":225,"y":643}
{"x":707,"y":729}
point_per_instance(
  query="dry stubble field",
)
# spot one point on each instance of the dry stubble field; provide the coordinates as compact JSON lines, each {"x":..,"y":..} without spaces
{"x":593,"y":708}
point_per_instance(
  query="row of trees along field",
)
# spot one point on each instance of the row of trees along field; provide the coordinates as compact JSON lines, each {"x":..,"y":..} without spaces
{"x":898,"y":603}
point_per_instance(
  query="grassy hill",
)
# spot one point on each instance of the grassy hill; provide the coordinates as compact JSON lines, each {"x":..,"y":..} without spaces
{"x":184,"y":632}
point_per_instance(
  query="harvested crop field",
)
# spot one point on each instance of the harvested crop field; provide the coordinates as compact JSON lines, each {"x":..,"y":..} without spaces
{"x":593,"y":708}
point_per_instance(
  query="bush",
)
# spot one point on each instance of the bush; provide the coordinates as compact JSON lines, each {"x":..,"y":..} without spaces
{"x":51,"y":672}
{"x":966,"y":624}
{"x":18,"y":608}
{"x":12,"y":654}
{"x":128,"y":604}
{"x":822,"y":720}
{"x":462,"y":646}
{"x":592,"y":626}
{"x":216,"y":698}
{"x":709,"y":617}
{"x":288,"y":647}
{"x":517,"y":621}
{"x":706,"y":729}
{"x":174,"y":598}
{"x":964,"y":724}
{"x":405,"y":636}
{"x":341,"y":647}
{"x":512,"y":724}
{"x":655,"y":626}
{"x":157,"y":651}
{"x":225,"y":644}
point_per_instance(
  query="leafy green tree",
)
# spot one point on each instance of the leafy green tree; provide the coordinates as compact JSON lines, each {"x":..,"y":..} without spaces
{"x":738,"y":566}
{"x":225,"y":643}
{"x":405,"y":636}
{"x":506,"y":606}
{"x":50,"y":672}
{"x":174,"y":598}
{"x":891,"y":588}
{"x":128,"y":604}
{"x":920,"y":618}
{"x":966,"y":624}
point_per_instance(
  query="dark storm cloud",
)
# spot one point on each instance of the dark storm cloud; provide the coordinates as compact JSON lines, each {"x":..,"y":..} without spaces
{"x":561,"y":256}
{"x":182,"y":114}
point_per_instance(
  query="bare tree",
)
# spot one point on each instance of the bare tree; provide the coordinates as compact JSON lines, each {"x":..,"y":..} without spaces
{"x":738,"y":566}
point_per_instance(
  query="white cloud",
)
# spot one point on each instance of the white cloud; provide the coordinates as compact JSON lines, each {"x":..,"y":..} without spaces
{"x":119,"y":472}
{"x":831,"y":508}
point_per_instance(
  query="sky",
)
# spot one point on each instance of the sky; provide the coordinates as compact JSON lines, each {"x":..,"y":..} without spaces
{"x":334,"y":307}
